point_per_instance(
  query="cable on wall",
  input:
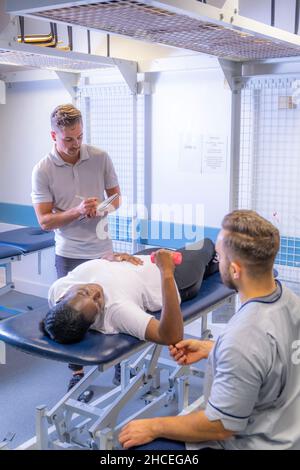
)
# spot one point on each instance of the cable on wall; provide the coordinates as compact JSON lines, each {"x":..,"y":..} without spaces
{"x":273,"y":7}
{"x":89,"y":41}
{"x":70,"y":36}
{"x":297,"y":11}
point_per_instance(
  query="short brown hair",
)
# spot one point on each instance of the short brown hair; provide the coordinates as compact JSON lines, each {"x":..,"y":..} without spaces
{"x":251,"y":238}
{"x":65,"y":115}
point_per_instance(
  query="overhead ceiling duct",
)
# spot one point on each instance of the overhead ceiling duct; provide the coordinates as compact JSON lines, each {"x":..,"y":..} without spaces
{"x":186,"y":24}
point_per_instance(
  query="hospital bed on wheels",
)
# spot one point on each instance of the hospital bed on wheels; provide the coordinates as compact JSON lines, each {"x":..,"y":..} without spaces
{"x":13,"y":245}
{"x":72,"y":424}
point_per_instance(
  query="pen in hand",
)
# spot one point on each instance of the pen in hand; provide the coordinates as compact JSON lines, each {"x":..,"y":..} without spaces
{"x":82,"y":198}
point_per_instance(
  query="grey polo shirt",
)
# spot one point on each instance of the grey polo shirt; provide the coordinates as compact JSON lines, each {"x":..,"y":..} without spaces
{"x":253,"y":375}
{"x":54,"y":180}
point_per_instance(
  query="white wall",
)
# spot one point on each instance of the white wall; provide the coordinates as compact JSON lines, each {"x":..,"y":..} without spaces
{"x":260,"y":10}
{"x":25,"y":134}
{"x":25,"y":139}
{"x":188,"y":106}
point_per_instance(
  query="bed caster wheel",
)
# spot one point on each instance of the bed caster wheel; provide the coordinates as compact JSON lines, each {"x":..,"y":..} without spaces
{"x":207,"y":335}
{"x":92,"y":445}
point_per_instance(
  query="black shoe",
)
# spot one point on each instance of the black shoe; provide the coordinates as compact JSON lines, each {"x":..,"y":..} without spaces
{"x":75,"y":379}
{"x":85,"y":396}
{"x":212,"y":267}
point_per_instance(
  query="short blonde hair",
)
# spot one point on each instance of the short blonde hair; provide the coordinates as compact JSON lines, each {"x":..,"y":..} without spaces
{"x":65,"y":115}
{"x":251,"y":238}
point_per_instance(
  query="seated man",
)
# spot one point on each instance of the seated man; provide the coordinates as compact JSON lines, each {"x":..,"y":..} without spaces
{"x":252,"y":389}
{"x":113,"y":297}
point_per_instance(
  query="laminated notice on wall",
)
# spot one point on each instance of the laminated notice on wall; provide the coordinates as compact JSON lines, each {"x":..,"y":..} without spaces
{"x":190,"y":155}
{"x":214,"y":155}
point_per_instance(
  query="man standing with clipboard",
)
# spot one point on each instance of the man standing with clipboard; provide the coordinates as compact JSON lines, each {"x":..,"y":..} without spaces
{"x":71,"y":169}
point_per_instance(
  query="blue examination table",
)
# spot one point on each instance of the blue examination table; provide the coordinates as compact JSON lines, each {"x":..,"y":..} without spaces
{"x":13,"y":245}
{"x":25,"y":240}
{"x":103,"y":350}
{"x":71,"y":424}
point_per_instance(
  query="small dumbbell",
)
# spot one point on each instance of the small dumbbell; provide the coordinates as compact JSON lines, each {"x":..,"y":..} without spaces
{"x":177,"y":257}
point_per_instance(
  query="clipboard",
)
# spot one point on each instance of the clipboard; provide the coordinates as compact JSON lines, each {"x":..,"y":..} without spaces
{"x":104,"y":204}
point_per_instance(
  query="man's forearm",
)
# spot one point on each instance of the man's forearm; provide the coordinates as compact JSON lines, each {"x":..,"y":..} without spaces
{"x":171,"y":323}
{"x":54,"y":220}
{"x":194,"y":427}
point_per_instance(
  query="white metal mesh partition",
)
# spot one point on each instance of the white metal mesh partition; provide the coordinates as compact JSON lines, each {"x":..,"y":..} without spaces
{"x":270,"y":163}
{"x":110,"y":114}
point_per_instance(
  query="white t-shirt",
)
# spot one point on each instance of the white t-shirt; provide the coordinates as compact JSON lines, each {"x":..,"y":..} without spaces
{"x":129,"y":291}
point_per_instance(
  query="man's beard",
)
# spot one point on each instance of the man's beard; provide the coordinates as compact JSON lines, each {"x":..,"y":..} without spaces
{"x":227,"y":280}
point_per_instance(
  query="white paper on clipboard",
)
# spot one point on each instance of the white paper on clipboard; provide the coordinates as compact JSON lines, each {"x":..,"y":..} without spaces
{"x":104,"y":204}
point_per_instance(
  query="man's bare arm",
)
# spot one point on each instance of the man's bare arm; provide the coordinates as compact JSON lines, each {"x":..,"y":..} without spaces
{"x":50,"y":217}
{"x":194,"y":427}
{"x":189,"y":351}
{"x":169,"y":330}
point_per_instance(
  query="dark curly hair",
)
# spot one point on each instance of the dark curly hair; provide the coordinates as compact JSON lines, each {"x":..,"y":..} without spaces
{"x":64,"y":324}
